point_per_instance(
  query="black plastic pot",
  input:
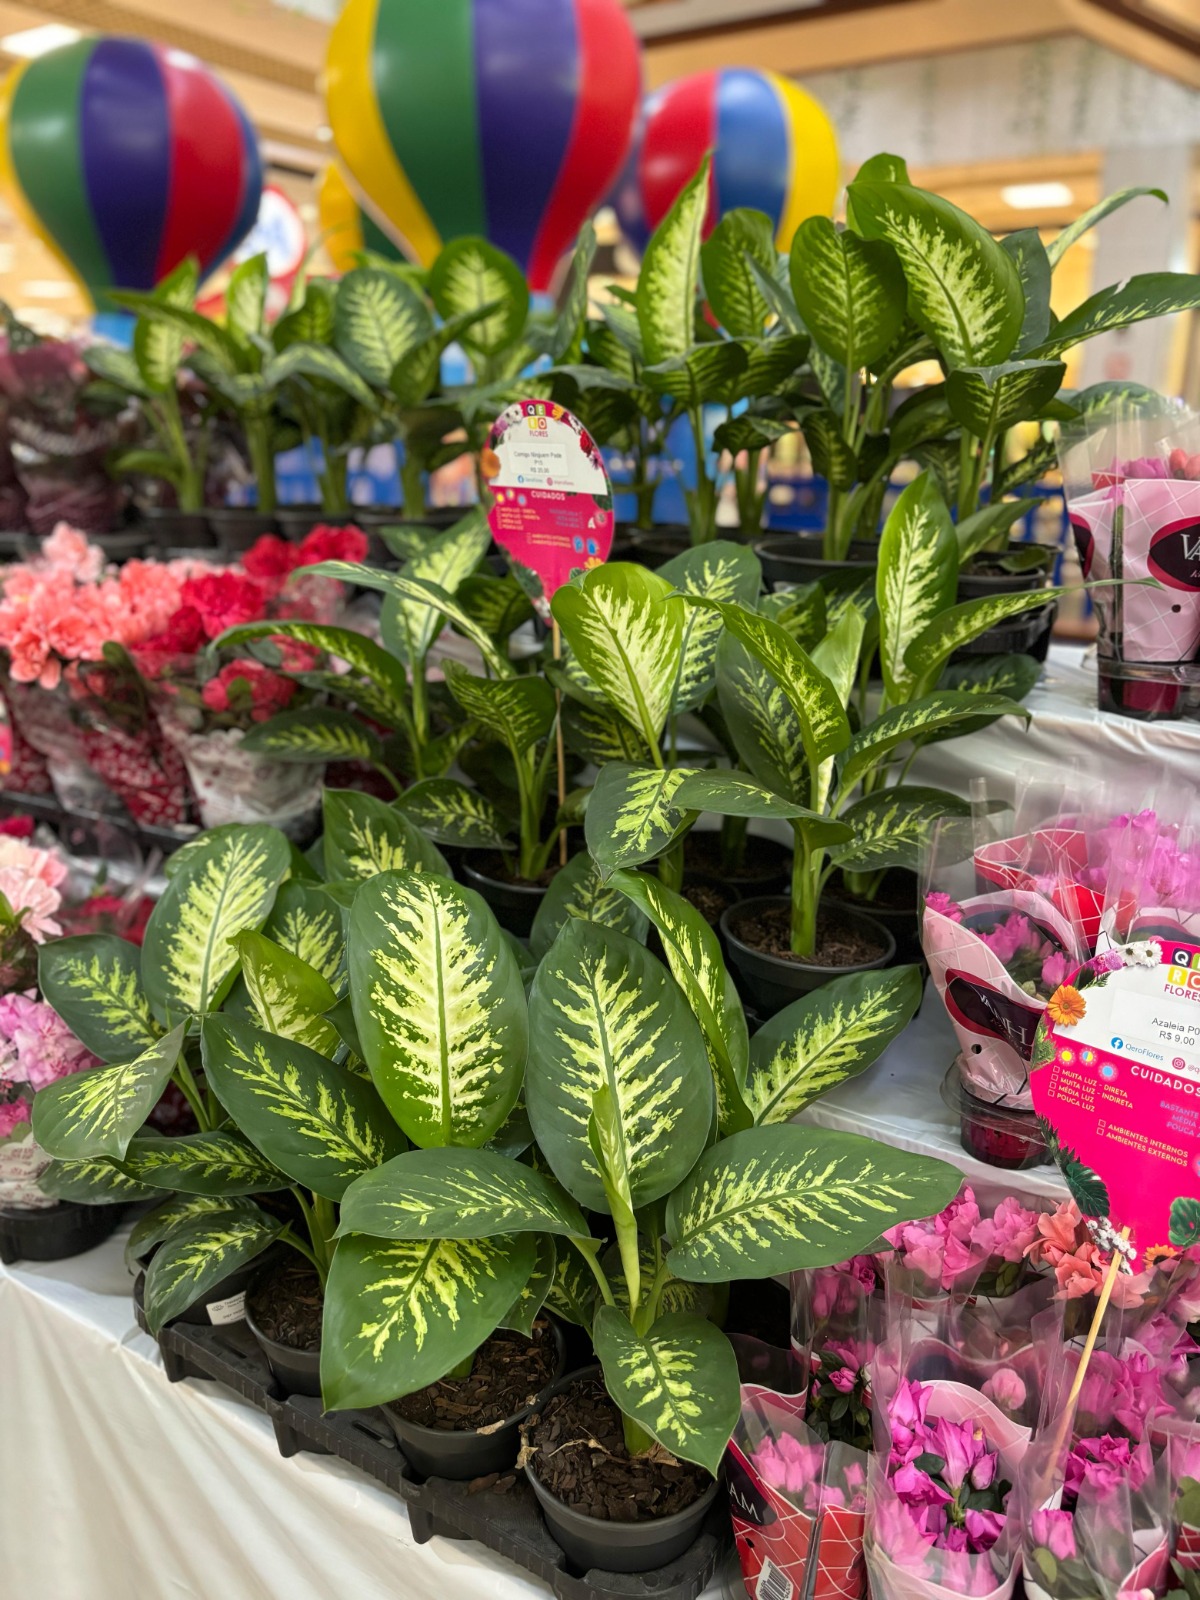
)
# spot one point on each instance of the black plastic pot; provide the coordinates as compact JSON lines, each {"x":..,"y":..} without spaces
{"x":899,"y":920}
{"x":771,"y":982}
{"x":654,"y":547}
{"x":171,"y":529}
{"x":1025,"y":635}
{"x":236,"y":528}
{"x":794,"y":559}
{"x":297,"y":520}
{"x":54,"y":1232}
{"x":766,"y":868}
{"x":463,"y":1454}
{"x":979,"y":585}
{"x":296,"y":1371}
{"x":237,"y":1283}
{"x":515,"y":904}
{"x":591,"y":1543}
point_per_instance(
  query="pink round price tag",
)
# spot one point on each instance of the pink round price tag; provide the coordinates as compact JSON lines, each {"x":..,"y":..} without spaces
{"x":552,"y":511}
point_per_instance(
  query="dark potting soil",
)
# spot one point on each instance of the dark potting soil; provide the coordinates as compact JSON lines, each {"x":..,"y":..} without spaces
{"x":708,"y":900}
{"x":579,"y":1454}
{"x":837,"y":944}
{"x":493,"y":865}
{"x":761,"y":858}
{"x":286,"y":1306}
{"x":508,"y":1374}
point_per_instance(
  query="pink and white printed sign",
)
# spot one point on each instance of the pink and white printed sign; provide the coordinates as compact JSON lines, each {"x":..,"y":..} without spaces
{"x":552,"y":511}
{"x":1116,"y":1078}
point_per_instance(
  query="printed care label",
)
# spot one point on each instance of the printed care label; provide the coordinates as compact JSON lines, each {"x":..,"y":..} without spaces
{"x":232,"y":1310}
{"x":552,"y":512}
{"x":1118,"y":1080}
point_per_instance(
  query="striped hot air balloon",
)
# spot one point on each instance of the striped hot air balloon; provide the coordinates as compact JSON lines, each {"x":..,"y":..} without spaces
{"x":774,"y":150}
{"x":348,"y":230}
{"x":504,"y":118}
{"x":125,"y":157}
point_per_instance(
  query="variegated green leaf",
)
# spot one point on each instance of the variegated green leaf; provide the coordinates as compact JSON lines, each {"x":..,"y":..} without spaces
{"x":320,"y":1124}
{"x":499,"y":605}
{"x":772,"y":365}
{"x":830,"y":1035}
{"x":470,"y":275}
{"x":939,"y":639}
{"x":693,"y":954}
{"x":519,"y":711}
{"x":832,"y":458}
{"x":989,"y":525}
{"x":93,"y":982}
{"x":94,"y":1181}
{"x":599,"y":734}
{"x":578,"y":890}
{"x":316,"y":362}
{"x":364,"y":836}
{"x":722,"y":571}
{"x":457,"y":1194}
{"x":305,"y":921}
{"x":766,"y":730}
{"x":316,"y":734}
{"x":378,"y":320}
{"x":1137,"y":299}
{"x":527,"y":1307}
{"x":704,"y":1300}
{"x":180,"y":1211}
{"x":98,"y":1111}
{"x":439,"y":1005}
{"x":632,"y":816}
{"x":604,"y":1013}
{"x":679,"y":1381}
{"x":367,"y":661}
{"x":986,"y":400}
{"x":290,"y":998}
{"x":573,"y":1295}
{"x":916,"y":578}
{"x":850,"y":292}
{"x":918,"y":721}
{"x":222,"y":1165}
{"x":730,"y":286}
{"x":735,"y":794}
{"x":226,"y":885}
{"x":786,"y":1197}
{"x":988,"y":678}
{"x":450,"y":812}
{"x":409,"y":626}
{"x":245,"y":295}
{"x":1062,"y":241}
{"x":1033,"y":268}
{"x":666,"y":291}
{"x":706,"y":372}
{"x":963,"y":290}
{"x":625,"y":628}
{"x":891,"y":825}
{"x":420,"y":592}
{"x":196,"y":1258}
{"x":399,"y":1314}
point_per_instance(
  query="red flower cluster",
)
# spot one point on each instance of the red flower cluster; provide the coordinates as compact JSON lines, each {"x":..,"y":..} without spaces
{"x":272,"y":560}
{"x":248,"y":687}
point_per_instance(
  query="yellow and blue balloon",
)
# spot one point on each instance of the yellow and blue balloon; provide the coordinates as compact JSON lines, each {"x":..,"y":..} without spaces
{"x":125,"y":157}
{"x":504,"y":118}
{"x":774,"y":149}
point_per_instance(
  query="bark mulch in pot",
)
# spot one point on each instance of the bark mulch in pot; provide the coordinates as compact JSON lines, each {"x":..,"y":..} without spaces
{"x":508,"y":1374}
{"x":838,"y":945}
{"x":493,"y":865}
{"x":579,"y":1455}
{"x":708,"y":900}
{"x":286,"y":1306}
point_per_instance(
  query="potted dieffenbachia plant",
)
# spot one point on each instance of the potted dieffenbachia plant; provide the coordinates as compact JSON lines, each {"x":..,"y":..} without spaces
{"x":663,"y":1148}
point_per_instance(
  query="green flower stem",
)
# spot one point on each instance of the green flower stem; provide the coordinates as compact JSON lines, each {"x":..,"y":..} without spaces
{"x":589,"y":1249}
{"x":701,"y":501}
{"x":257,"y":428}
{"x":463,"y":1369}
{"x":733,"y":842}
{"x":806,"y":892}
{"x":670,"y":867}
{"x":637,"y":1441}
{"x":386,"y":772}
{"x":288,"y":1236}
{"x":191,"y":1092}
{"x":412,"y":483}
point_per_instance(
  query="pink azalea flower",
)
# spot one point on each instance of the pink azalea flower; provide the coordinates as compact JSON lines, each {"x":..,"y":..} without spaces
{"x":1054,"y":1531}
{"x":1055,"y":970}
{"x":1006,"y":1389}
{"x":14,"y":1114}
{"x":944,"y":906}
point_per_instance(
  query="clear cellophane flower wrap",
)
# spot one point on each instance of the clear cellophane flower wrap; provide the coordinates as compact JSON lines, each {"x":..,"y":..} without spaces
{"x":27,"y":772}
{"x":124,"y":743}
{"x":939,"y":1486}
{"x":797,"y":1503}
{"x":838,"y":1317}
{"x":47,"y":722}
{"x":1132,"y":483}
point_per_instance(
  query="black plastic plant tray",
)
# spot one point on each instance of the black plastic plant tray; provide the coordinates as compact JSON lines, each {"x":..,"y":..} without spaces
{"x":504,"y":1515}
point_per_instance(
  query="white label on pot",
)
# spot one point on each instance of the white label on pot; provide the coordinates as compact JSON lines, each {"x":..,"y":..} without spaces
{"x":773,"y":1584}
{"x":231,"y":1310}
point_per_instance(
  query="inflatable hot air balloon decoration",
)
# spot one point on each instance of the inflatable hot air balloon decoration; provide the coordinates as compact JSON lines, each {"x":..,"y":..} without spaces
{"x":347,"y":229}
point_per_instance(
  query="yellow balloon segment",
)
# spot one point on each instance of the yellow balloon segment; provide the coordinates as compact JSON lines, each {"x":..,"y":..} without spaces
{"x":340,"y":218}
{"x":816,"y":165}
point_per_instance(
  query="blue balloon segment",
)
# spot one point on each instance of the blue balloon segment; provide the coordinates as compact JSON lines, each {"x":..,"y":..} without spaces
{"x":123,"y":133}
{"x":252,"y":183}
{"x":752,"y":161}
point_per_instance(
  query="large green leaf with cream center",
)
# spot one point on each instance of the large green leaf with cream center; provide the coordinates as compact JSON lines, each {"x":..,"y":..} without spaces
{"x":830,"y":1035}
{"x":767,"y":733}
{"x":317,"y":733}
{"x":625,"y":628}
{"x":1137,"y":299}
{"x":916,"y":577}
{"x":180,"y":1211}
{"x":786,"y":1197}
{"x":919,"y":720}
{"x":365,"y":836}
{"x":305,"y":921}
{"x":693,"y":954}
{"x":223,"y":1165}
{"x":421,"y":592}
{"x":196,"y":1258}
{"x":598,"y":734}
{"x":721,"y":571}
{"x":573,"y":1295}
{"x":457,"y":1194}
{"x":369,"y":663}
{"x":734,"y":794}
{"x":469,"y":275}
{"x":320,"y":1124}
{"x":579,"y":890}
{"x":439,"y":1006}
{"x":409,"y":626}
{"x":666,"y":290}
{"x":378,"y":320}
{"x":519,"y":711}
{"x":632,"y":816}
{"x":289,"y":997}
{"x":679,"y":1381}
{"x":450,"y":812}
{"x":604,"y":1013}
{"x":850,"y":292}
{"x":940,"y":638}
{"x":399,"y":1314}
{"x":730,"y":285}
{"x":93,"y":1181}
{"x":94,"y":983}
{"x":891,"y":826}
{"x":986,"y":400}
{"x":227,"y":885}
{"x":98,"y":1111}
{"x":963,"y":290}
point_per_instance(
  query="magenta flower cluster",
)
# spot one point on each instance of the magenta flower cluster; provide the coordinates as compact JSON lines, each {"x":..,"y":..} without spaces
{"x":36,"y":1048}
